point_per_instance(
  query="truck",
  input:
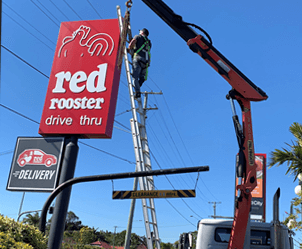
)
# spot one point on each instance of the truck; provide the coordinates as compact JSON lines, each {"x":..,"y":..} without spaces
{"x":215,"y":233}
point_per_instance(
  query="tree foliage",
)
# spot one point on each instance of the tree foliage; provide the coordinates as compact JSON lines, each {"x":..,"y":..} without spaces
{"x":293,"y":157}
{"x":32,"y":219}
{"x":18,"y":235}
{"x":72,"y":222}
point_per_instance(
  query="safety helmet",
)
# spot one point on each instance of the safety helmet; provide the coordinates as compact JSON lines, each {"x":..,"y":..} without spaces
{"x":145,"y":31}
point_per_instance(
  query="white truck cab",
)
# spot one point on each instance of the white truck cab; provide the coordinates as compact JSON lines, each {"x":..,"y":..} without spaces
{"x":215,"y":233}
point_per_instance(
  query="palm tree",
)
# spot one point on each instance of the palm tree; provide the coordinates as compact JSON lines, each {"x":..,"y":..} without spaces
{"x":32,"y":219}
{"x":293,"y":155}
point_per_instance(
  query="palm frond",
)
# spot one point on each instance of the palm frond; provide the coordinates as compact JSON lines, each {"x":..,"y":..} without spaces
{"x":296,"y":130}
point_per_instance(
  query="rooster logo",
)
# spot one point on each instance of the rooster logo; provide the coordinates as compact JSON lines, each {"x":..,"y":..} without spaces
{"x":96,"y":44}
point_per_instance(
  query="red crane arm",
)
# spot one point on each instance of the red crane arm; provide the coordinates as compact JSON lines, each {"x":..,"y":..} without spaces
{"x":243,"y":91}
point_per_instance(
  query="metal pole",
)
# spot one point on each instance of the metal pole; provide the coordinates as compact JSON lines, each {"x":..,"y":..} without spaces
{"x":130,"y":219}
{"x":27,"y":212}
{"x":62,"y":202}
{"x":114,"y":236}
{"x":21,"y":204}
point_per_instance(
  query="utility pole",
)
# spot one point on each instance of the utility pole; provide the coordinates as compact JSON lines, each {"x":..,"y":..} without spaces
{"x":114,"y":236}
{"x":214,"y":206}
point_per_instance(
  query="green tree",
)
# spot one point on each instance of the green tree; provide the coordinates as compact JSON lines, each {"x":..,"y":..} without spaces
{"x":166,"y":245}
{"x":293,"y":157}
{"x":20,"y":236}
{"x":72,"y":222}
{"x":32,"y":219}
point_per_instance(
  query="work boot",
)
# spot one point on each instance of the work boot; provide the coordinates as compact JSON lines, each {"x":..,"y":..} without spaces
{"x":137,"y":95}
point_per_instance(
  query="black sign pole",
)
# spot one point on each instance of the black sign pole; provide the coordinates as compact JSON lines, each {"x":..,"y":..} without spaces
{"x":62,"y":202}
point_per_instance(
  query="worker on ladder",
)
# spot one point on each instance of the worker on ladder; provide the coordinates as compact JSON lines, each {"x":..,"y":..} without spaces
{"x":141,"y":59}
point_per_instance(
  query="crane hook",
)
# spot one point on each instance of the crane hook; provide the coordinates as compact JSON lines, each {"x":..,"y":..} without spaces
{"x":129,"y":4}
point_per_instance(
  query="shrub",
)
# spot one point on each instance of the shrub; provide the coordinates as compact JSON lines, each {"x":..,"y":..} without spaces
{"x":21,"y":236}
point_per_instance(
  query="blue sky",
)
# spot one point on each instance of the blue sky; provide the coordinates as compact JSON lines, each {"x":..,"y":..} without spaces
{"x":193,"y":125}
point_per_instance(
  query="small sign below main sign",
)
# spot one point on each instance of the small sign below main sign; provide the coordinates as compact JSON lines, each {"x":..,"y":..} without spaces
{"x":36,"y":164}
{"x":139,"y":194}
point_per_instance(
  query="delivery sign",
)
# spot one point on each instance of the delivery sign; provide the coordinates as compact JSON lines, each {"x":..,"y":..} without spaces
{"x":83,"y":85}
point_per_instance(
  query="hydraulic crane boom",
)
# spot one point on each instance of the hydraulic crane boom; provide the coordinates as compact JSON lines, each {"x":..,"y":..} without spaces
{"x":244,"y":91}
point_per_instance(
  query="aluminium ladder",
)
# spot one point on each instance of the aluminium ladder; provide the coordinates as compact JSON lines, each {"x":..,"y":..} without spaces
{"x":142,"y":155}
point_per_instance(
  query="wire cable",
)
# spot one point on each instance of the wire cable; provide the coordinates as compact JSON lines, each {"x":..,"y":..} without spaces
{"x":24,"y":61}
{"x":18,"y":113}
{"x":73,"y":10}
{"x":45,"y":13}
{"x":94,"y":9}
{"x":59,"y":10}
{"x":29,"y":24}
{"x":173,"y":186}
{"x":27,"y":30}
{"x":48,"y":11}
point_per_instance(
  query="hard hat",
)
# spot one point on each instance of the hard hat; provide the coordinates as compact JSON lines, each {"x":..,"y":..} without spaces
{"x":145,"y":31}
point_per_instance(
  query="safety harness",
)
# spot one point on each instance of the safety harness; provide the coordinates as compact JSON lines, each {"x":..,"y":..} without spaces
{"x":147,"y":52}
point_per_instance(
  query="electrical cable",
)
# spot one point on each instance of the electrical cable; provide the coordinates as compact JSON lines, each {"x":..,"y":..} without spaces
{"x":73,"y":10}
{"x":48,"y":11}
{"x":29,"y":24}
{"x":6,"y":152}
{"x":45,"y":13}
{"x":94,"y":10}
{"x":59,"y":9}
{"x":18,"y":113}
{"x":24,"y":61}
{"x":173,"y":186}
{"x":27,"y":30}
{"x":184,"y":144}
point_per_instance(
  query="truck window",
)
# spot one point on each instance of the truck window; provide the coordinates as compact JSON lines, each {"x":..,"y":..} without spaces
{"x":222,"y":235}
{"x":260,"y":237}
{"x":257,"y":237}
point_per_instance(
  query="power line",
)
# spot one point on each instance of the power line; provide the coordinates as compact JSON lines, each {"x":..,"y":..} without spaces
{"x":48,"y":11}
{"x":24,"y":61}
{"x":18,"y":113}
{"x":94,"y":9}
{"x":6,"y":152}
{"x":28,"y":23}
{"x":172,"y":185}
{"x":45,"y":13}
{"x":59,"y":9}
{"x":123,"y":159}
{"x":184,"y":144}
{"x":27,"y":30}
{"x":73,"y":10}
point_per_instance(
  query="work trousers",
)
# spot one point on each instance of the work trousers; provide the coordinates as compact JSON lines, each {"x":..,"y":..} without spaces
{"x":139,"y":73}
